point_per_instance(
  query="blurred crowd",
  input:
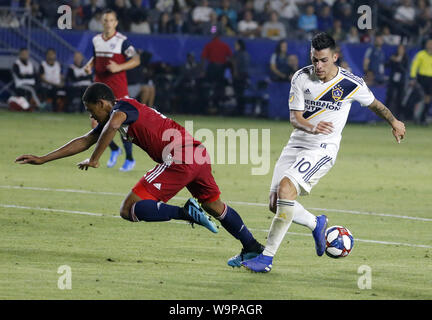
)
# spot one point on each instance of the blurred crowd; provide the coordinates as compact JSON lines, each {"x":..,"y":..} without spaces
{"x":401,"y":21}
{"x":219,"y":80}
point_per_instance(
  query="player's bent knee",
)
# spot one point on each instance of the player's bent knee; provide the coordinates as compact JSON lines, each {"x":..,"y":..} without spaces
{"x":287,"y":189}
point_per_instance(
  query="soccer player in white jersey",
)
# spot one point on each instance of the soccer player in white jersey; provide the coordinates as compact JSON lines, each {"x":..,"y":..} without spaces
{"x":320,"y":99}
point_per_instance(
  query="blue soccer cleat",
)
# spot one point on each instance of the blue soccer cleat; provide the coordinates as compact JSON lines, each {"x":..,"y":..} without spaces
{"x":319,"y":235}
{"x":128,"y":165}
{"x":244,"y":255}
{"x":196,"y":214}
{"x":113,"y":158}
{"x":261,"y":263}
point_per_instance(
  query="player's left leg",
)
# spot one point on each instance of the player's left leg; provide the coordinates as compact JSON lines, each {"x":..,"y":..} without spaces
{"x":129,"y":163}
{"x":233,"y":223}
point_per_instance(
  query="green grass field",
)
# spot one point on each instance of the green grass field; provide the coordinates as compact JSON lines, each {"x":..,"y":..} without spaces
{"x":378,"y":189}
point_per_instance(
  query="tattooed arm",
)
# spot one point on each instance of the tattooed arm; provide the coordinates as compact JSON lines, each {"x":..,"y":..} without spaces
{"x":398,"y":127}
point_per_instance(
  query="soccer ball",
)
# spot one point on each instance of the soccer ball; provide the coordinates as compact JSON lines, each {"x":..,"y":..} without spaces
{"x":339,"y":242}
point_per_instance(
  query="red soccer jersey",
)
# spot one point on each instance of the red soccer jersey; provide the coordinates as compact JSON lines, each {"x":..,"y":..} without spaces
{"x":216,"y":51}
{"x":155,"y":133}
{"x":118,"y":49}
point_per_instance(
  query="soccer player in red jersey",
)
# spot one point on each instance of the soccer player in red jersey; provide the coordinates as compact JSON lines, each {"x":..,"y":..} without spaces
{"x":113,"y":54}
{"x":182,"y":162}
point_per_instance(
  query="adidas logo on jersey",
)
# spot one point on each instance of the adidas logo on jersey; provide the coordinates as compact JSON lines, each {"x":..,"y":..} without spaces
{"x":307,"y":91}
{"x":157,"y":185}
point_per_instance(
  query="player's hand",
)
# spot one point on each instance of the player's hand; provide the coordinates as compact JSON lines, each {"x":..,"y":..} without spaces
{"x":88,"y":69}
{"x":398,"y":130}
{"x":84,"y":165}
{"x":113,"y":67}
{"x":323,"y":127}
{"x":29,"y":159}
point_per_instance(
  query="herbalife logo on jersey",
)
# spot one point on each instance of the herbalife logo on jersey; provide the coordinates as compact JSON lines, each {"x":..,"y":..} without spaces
{"x":223,"y":146}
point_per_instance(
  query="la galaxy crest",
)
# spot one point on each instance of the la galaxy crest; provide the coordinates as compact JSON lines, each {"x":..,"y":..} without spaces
{"x":337,"y":93}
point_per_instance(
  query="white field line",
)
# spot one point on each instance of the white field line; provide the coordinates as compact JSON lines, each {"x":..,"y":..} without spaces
{"x":11,"y":206}
{"x":252,"y":204}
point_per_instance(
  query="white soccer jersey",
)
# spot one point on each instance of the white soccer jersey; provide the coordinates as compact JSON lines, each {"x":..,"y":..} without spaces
{"x":325,"y":101}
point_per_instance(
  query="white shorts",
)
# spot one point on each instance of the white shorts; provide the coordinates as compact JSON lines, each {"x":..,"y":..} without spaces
{"x":304,"y":167}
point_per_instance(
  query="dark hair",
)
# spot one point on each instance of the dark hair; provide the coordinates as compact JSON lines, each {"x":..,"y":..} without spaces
{"x":241,"y":44}
{"x":98,"y":91}
{"x":322,"y":41}
{"x":110,"y":11}
{"x":278,"y":49}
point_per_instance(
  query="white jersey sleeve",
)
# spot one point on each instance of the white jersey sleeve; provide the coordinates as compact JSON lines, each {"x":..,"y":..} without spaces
{"x":296,"y":97}
{"x":363,"y":95}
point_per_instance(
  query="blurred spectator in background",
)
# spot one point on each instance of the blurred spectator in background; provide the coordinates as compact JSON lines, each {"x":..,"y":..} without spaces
{"x":210,"y":27}
{"x":325,"y":19}
{"x":248,"y":27}
{"x":289,"y":12}
{"x":90,"y":10}
{"x":308,"y":22}
{"x":240,"y":67}
{"x":24,"y":76}
{"x":347,"y":18}
{"x":178,"y":25}
{"x":170,"y":6}
{"x":138,"y":15}
{"x":216,"y":55}
{"x":421,"y":72}
{"x":201,"y":14}
{"x":225,"y":26}
{"x":273,"y":29}
{"x":36,"y":11}
{"x":78,"y":20}
{"x":264,"y":15}
{"x":139,"y":24}
{"x":337,"y":32}
{"x":163,"y":26}
{"x":77,"y":80}
{"x":280,"y":69}
{"x":353,"y":35}
{"x":225,"y":9}
{"x":405,"y":15}
{"x":293,"y":63}
{"x":259,"y":5}
{"x":95,"y":23}
{"x":122,"y":12}
{"x":388,"y":38}
{"x":141,"y":85}
{"x":188,"y":86}
{"x":52,"y":82}
{"x":423,"y":20}
{"x":374,"y":60}
{"x":399,"y":71}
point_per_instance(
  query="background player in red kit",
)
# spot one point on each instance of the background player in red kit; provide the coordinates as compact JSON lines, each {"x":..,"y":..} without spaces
{"x":113,"y":54}
{"x":151,"y":130}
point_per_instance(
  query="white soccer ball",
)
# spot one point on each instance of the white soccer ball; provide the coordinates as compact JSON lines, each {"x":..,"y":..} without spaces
{"x":339,"y":242}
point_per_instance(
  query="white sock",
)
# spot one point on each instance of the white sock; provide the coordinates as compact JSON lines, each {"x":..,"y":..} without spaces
{"x":304,"y":217}
{"x":279,"y":227}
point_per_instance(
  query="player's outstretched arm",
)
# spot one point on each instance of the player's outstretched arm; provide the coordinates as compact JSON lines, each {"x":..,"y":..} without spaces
{"x":108,"y":133}
{"x":298,"y":122}
{"x":74,"y":146}
{"x":398,"y":127}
